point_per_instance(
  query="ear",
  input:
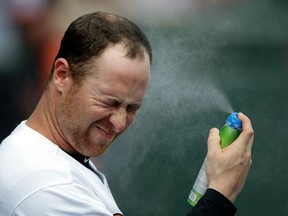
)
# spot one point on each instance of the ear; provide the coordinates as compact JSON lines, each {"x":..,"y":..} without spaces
{"x":62,"y":75}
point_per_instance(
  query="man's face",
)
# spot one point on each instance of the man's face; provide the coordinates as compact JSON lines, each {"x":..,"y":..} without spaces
{"x":93,"y":115}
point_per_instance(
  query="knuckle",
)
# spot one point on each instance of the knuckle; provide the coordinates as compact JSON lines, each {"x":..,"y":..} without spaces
{"x":250,"y":132}
{"x":247,"y":159}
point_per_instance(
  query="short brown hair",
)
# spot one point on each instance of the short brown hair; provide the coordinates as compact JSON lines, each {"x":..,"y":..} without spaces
{"x":90,"y":34}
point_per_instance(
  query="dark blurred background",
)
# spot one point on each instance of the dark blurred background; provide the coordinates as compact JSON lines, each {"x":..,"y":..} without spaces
{"x":211,"y":57}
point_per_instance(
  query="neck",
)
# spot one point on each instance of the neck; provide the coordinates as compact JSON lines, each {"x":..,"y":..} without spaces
{"x":44,"y":121}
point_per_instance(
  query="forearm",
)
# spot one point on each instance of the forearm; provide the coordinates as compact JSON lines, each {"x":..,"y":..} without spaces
{"x":213,"y":203}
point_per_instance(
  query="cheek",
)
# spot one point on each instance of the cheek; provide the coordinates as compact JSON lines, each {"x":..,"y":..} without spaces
{"x":97,"y":114}
{"x":76,"y":117}
{"x":89,"y":112}
{"x":130,"y":119}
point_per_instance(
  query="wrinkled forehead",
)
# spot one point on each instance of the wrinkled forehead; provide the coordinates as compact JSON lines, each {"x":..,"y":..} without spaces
{"x":115,"y":59}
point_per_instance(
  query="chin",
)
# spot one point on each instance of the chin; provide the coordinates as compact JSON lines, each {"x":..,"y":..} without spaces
{"x":95,"y":152}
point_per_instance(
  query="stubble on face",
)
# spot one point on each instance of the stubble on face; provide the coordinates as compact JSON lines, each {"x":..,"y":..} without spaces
{"x":72,"y":119}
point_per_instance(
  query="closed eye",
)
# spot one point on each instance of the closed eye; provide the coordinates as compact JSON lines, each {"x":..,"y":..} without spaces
{"x":133,"y":107}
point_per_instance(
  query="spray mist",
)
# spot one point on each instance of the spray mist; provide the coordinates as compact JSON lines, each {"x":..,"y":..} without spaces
{"x":228,"y":133}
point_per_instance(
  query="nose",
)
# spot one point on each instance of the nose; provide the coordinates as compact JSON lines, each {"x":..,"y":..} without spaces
{"x":119,"y":120}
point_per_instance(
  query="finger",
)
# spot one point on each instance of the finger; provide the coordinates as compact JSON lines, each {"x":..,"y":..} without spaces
{"x":247,"y":135}
{"x":213,"y":140}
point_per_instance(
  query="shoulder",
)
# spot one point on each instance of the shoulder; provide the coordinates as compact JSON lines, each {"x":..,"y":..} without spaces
{"x":27,"y":155}
{"x":30,"y":164}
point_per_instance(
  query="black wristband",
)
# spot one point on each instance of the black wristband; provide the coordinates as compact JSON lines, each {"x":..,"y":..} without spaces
{"x":213,"y":203}
{"x":220,"y":200}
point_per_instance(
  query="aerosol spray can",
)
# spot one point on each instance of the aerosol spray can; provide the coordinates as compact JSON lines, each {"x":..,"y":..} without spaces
{"x":228,"y":133}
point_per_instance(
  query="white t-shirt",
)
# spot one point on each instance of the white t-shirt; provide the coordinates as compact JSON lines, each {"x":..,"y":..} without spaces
{"x":38,"y":178}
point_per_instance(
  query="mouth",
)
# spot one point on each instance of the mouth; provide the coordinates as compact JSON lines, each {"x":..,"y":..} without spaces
{"x":105,"y":133}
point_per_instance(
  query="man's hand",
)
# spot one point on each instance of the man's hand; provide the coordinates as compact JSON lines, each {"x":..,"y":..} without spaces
{"x":227,"y":168}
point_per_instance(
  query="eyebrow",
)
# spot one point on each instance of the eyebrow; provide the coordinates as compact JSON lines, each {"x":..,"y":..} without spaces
{"x":115,"y":100}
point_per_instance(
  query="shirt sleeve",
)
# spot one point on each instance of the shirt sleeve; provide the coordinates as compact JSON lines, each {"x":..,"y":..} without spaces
{"x":213,"y":203}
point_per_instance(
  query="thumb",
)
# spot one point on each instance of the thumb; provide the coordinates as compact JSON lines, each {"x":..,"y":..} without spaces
{"x":213,"y":140}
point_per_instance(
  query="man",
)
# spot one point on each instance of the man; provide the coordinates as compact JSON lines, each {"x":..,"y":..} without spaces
{"x":97,"y":84}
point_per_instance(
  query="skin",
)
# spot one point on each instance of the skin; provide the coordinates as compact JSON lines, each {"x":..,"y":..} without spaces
{"x":86,"y":119}
{"x":228,"y":168}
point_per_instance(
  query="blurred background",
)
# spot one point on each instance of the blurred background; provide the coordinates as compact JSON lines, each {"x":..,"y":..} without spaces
{"x":211,"y":57}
